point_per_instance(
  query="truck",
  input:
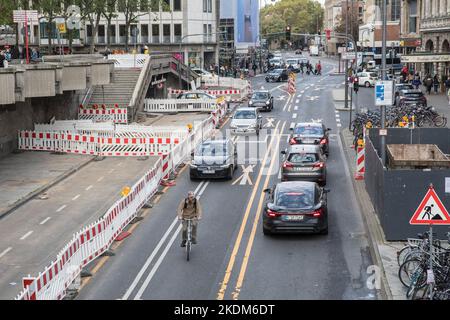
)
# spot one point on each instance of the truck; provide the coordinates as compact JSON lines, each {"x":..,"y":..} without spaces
{"x":313,"y":50}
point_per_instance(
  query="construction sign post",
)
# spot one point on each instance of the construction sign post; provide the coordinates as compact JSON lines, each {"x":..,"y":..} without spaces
{"x":431,"y":211}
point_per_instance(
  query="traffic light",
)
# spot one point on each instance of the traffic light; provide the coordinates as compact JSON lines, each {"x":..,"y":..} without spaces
{"x":328,"y":34}
{"x":288,"y":32}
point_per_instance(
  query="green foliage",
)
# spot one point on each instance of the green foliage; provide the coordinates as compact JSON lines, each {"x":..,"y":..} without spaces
{"x":304,"y":16}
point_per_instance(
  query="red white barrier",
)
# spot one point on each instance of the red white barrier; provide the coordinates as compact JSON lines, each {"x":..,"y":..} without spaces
{"x":360,"y":158}
{"x":291,"y":86}
{"x":90,"y":242}
{"x":116,"y":115}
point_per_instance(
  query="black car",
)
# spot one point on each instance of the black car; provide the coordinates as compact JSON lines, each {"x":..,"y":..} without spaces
{"x":402,"y":86}
{"x":261,"y":99}
{"x":311,"y":133}
{"x":277,"y":75}
{"x":296,"y":206}
{"x":414,"y":96}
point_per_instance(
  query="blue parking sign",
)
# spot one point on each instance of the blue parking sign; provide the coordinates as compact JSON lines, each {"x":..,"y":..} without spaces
{"x":384,"y":93}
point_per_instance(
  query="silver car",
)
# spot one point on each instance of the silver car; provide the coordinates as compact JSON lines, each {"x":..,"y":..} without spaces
{"x":304,"y":162}
{"x":246,"y":121}
{"x":214,"y":158}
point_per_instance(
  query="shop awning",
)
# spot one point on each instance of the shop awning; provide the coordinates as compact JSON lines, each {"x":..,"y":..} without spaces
{"x":425,"y":57}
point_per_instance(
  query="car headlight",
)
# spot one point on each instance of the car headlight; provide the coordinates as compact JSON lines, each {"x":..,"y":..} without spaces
{"x":252,"y":125}
{"x":233,"y":126}
{"x":267,"y":102}
{"x":224,"y":166}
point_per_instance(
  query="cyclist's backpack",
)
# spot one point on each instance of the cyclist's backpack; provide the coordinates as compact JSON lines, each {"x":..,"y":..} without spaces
{"x":186,"y":202}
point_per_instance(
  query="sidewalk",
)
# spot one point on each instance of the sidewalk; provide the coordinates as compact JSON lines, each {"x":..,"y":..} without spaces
{"x":27,"y":174}
{"x":384,"y":253}
{"x":440,"y":103}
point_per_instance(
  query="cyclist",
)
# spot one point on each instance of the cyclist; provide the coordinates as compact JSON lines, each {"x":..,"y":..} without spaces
{"x":189,"y":208}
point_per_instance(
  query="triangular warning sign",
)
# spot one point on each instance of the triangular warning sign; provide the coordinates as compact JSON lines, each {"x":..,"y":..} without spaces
{"x":431,"y":210}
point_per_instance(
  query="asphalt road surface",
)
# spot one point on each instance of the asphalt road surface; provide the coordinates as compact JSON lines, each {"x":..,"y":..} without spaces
{"x":233,"y":259}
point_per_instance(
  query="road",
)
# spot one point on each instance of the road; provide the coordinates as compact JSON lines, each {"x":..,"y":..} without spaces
{"x":233,"y":259}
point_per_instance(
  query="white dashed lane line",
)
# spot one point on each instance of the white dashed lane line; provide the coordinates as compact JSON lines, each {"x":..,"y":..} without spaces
{"x":5,"y":251}
{"x":26,"y":235}
{"x":90,"y":187}
{"x":45,"y":220}
{"x":100,"y":179}
{"x":294,"y":115}
{"x":111,"y":171}
{"x":61,"y":208}
{"x":76,"y":197}
{"x":295,"y":108}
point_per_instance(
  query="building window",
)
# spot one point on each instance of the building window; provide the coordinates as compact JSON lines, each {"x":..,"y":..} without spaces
{"x":166,"y":33}
{"x":112,"y":33}
{"x":155,"y":33}
{"x":101,"y":34}
{"x":122,"y":33}
{"x":412,"y":16}
{"x":209,"y":5}
{"x":177,"y":31}
{"x":165,"y":5}
{"x":395,"y":10}
{"x":176,"y":5}
{"x":144,"y":33}
{"x":89,"y":30}
{"x":205,"y":5}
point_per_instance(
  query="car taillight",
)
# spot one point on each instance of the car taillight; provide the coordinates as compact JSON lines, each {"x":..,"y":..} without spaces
{"x":319,"y":165}
{"x":272,"y":213}
{"x":292,"y":141}
{"x":317,"y":213}
{"x":287,"y":164}
{"x":323,"y":141}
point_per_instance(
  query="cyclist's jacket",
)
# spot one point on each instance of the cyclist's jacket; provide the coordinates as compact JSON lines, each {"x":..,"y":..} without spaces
{"x":189,"y":209}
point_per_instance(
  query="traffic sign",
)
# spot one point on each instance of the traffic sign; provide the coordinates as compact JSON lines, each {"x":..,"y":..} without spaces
{"x":384,"y":93}
{"x":431,"y":210}
{"x":348,"y":55}
{"x":19,"y":15}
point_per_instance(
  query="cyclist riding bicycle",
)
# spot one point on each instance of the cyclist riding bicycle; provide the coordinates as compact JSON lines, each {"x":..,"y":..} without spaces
{"x":189,"y":208}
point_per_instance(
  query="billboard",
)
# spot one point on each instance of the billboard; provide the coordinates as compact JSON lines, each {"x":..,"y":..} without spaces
{"x":247,"y":22}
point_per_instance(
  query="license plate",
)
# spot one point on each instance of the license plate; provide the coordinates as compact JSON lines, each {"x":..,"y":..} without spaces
{"x":209,"y":171}
{"x":302,"y":169}
{"x":294,"y":218}
{"x":308,"y":141}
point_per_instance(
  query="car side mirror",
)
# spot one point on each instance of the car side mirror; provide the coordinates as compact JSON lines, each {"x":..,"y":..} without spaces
{"x":328,"y":129}
{"x":268,"y":190}
{"x":259,"y":117}
{"x":326,"y":190}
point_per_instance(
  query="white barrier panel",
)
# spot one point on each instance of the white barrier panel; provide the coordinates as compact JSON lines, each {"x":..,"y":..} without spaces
{"x":179,"y":105}
{"x":128,"y":60}
{"x":90,"y":242}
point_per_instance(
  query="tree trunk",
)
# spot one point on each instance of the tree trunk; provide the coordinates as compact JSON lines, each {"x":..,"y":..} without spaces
{"x":108,"y":30}
{"x":127,"y":31}
{"x":49,"y":34}
{"x":94,"y":33}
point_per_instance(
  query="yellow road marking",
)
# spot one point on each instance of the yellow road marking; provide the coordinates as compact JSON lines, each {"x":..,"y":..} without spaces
{"x":221,"y":293}
{"x":248,"y":250}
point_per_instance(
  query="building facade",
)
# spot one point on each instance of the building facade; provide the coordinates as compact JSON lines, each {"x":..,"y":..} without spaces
{"x":332,"y":12}
{"x":191,"y":23}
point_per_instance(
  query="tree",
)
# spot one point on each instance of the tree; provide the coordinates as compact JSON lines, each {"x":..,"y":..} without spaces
{"x":109,"y":12}
{"x":92,"y":10}
{"x":49,"y":9}
{"x":304,"y":16}
{"x":132,"y":9}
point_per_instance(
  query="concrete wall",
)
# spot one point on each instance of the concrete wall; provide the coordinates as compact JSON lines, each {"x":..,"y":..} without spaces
{"x":74,"y":77}
{"x":100,"y":74}
{"x":7,"y":80}
{"x":23,"y":115}
{"x":39,"y":82}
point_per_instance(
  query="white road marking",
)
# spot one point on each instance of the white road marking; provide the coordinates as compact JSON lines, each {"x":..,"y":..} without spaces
{"x":297,"y":101}
{"x":303,"y":91}
{"x":26,"y":235}
{"x":100,"y":179}
{"x":155,"y":251}
{"x":292,"y":125}
{"x":296,"y":108}
{"x":338,"y":120}
{"x":245,"y":177}
{"x":111,"y":171}
{"x":294,"y":115}
{"x":76,"y":197}
{"x":119,"y":164}
{"x":45,"y":220}
{"x":61,"y":208}
{"x":339,"y":125}
{"x":5,"y":251}
{"x":90,"y":187}
{"x":203,"y":189}
{"x":279,"y":174}
{"x":299,"y":96}
{"x":269,"y":123}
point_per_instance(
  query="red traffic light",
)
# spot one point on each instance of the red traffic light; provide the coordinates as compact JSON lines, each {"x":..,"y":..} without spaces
{"x":328,"y":34}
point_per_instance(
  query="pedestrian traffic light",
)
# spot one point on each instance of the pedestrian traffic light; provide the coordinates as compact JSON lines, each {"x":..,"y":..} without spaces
{"x":328,"y":34}
{"x":288,"y":32}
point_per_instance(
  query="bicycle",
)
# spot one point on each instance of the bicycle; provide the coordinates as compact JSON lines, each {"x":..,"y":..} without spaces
{"x":188,"y":238}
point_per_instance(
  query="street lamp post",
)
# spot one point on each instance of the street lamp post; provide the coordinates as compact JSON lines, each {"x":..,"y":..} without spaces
{"x":383,"y":76}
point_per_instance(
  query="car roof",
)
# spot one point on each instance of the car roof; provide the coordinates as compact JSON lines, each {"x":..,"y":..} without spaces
{"x":412,"y":91}
{"x":294,"y":185}
{"x":246,"y":109}
{"x":303,"y":148}
{"x":309,"y":124}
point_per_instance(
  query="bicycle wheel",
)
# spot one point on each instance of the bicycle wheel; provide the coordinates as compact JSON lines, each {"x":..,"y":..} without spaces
{"x":418,"y":281}
{"x":440,"y":121}
{"x":402,"y":254}
{"x":188,"y":249}
{"x":408,"y":269}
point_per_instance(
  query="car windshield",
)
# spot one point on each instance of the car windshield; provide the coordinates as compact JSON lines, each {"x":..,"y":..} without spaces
{"x":302,"y":158}
{"x":260,"y":96}
{"x":307,"y":130}
{"x":212,"y":149}
{"x":245,"y":114}
{"x":277,"y":71}
{"x":413,"y":94}
{"x":373,"y":74}
{"x":301,"y":199}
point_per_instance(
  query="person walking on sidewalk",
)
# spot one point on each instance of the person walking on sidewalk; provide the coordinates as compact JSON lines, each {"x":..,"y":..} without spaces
{"x":189,"y":208}
{"x":428,"y":82}
{"x":436,"y":83}
{"x":447,"y":88}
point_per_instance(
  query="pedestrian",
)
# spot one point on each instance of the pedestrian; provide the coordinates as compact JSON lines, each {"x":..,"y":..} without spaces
{"x":2,"y":59}
{"x":254,"y":67}
{"x":34,"y":55}
{"x":428,"y":82}
{"x":416,"y":82}
{"x":146,"y":51}
{"x":435,"y":83}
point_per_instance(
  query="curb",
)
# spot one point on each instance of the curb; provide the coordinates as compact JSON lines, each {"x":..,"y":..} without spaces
{"x":45,"y":187}
{"x":373,"y":229}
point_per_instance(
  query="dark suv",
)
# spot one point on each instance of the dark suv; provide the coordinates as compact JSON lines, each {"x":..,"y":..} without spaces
{"x":414,"y":96}
{"x":261,"y":99}
{"x":311,"y":133}
{"x":277,"y":75}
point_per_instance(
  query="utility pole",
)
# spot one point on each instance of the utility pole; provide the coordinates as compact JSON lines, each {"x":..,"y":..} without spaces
{"x":346,"y":49}
{"x":383,"y":76}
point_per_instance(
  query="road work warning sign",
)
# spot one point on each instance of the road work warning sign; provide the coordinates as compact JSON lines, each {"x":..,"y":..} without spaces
{"x":431,"y":210}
